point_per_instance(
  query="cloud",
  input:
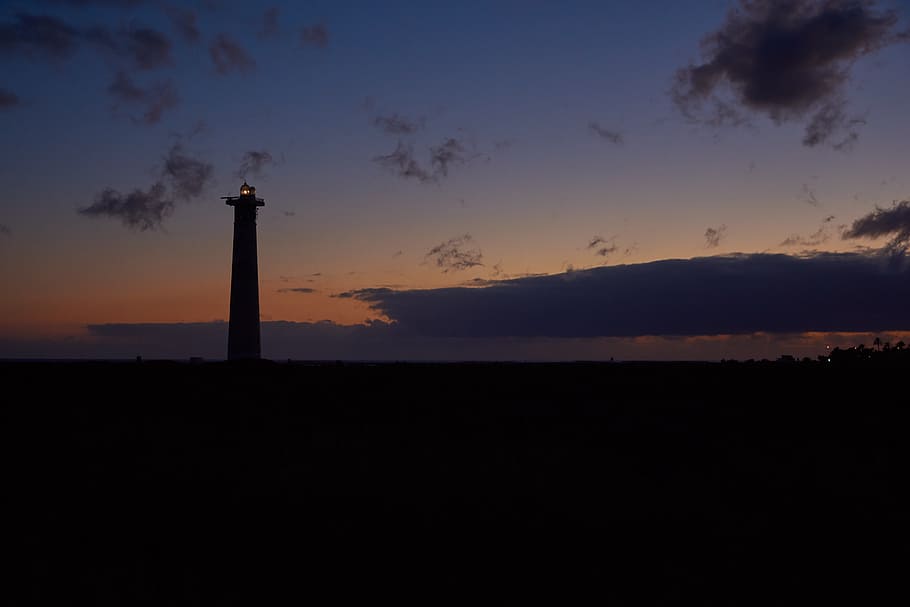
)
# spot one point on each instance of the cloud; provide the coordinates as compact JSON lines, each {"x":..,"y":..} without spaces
{"x":4,"y":230}
{"x":157,"y":98}
{"x":611,"y":136}
{"x":119,"y":3}
{"x":894,"y":222}
{"x":47,"y":37}
{"x":228,"y":56}
{"x":451,"y":255}
{"x":403,"y":163}
{"x":820,"y":236}
{"x":830,"y":120}
{"x":253,"y":163}
{"x":8,"y":99}
{"x":785,"y":59}
{"x":269,"y":27}
{"x":450,"y":151}
{"x":137,"y":210}
{"x":188,"y":176}
{"x":713,"y":236}
{"x":602,"y":246}
{"x":314,"y":35}
{"x":146,"y":48}
{"x":809,"y":196}
{"x":38,"y":36}
{"x":735,"y":294}
{"x":394,"y":124}
{"x":184,"y":21}
{"x":304,"y":290}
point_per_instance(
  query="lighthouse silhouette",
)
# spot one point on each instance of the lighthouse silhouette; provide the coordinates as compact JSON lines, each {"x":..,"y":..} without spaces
{"x":243,"y":328}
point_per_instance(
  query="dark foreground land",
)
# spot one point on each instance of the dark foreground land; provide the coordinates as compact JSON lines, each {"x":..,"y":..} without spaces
{"x":163,"y":483}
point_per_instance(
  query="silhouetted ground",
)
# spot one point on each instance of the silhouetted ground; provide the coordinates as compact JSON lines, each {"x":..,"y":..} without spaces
{"x":165,"y":483}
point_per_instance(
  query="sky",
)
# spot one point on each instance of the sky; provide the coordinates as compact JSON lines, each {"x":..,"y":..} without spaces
{"x":529,"y":180}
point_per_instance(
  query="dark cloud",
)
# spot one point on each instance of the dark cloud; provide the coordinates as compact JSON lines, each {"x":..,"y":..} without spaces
{"x":304,"y":290}
{"x":253,"y":163}
{"x":893,"y":222}
{"x":288,"y":213}
{"x":8,"y":99}
{"x":184,"y":21}
{"x":395,"y":124}
{"x":314,"y":35}
{"x":155,"y":99}
{"x":452,"y":255}
{"x":713,"y":236}
{"x":188,"y":176}
{"x":39,"y":36}
{"x":403,"y":163}
{"x":269,"y":27}
{"x":611,"y":136}
{"x":733,"y":294}
{"x":228,"y":56}
{"x":786,"y":59}
{"x":4,"y":229}
{"x":137,"y":210}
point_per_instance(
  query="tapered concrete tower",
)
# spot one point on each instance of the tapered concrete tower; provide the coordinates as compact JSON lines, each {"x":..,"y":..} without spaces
{"x":243,"y":329}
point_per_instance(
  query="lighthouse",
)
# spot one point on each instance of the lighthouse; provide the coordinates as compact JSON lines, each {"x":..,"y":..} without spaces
{"x":243,"y":327}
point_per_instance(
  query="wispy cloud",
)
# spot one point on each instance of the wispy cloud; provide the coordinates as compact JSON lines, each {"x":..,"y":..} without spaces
{"x":269,"y":27}
{"x":453,"y":254}
{"x":303,"y":290}
{"x":184,"y":21}
{"x":314,"y":35}
{"x":8,"y":99}
{"x":714,"y":236}
{"x":449,"y":152}
{"x":144,"y":47}
{"x":396,"y":124}
{"x":602,"y":246}
{"x":808,"y":196}
{"x":401,"y":160}
{"x":38,"y":36}
{"x":228,"y":56}
{"x":155,"y":99}
{"x":609,"y":135}
{"x":189,"y":176}
{"x":254,"y":163}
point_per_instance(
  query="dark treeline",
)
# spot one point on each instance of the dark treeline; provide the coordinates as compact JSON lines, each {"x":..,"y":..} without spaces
{"x":166,"y":483}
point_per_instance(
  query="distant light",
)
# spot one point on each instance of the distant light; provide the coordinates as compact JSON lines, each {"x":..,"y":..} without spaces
{"x":246,"y":190}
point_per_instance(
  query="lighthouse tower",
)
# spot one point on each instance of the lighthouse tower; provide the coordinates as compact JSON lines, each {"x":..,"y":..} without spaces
{"x":243,"y":329}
